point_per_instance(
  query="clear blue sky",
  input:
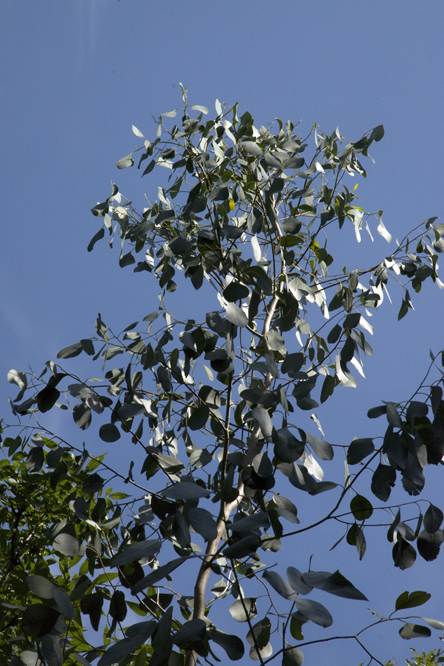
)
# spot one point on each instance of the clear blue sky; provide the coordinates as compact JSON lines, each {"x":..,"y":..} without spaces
{"x":77,"y":74}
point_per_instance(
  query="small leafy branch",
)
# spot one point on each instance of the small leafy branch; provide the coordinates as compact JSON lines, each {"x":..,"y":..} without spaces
{"x":214,"y":395}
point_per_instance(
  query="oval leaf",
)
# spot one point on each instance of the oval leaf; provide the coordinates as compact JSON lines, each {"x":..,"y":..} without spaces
{"x":137,"y":551}
{"x":236,"y":315}
{"x":185,"y":490}
{"x":109,"y":432}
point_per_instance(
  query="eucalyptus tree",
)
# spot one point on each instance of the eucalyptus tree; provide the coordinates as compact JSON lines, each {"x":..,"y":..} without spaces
{"x":254,"y":329}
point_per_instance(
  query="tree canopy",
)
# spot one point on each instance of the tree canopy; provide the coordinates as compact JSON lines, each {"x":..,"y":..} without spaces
{"x":256,"y":326}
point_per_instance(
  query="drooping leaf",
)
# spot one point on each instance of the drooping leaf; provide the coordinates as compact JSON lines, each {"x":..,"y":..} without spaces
{"x":137,"y":551}
{"x":334,"y":583}
{"x":251,"y":523}
{"x":82,"y":415}
{"x":203,"y":522}
{"x":358,"y":450}
{"x":190,"y":635}
{"x":429,"y":544}
{"x":383,"y":481}
{"x":40,"y":586}
{"x":280,"y":585}
{"x":39,"y":619}
{"x":123,"y":163}
{"x":286,"y":508}
{"x":68,"y":545}
{"x":136,"y":635}
{"x":314,"y":611}
{"x":71,"y":351}
{"x":433,"y":518}
{"x":63,"y":602}
{"x":236,"y":315}
{"x":323,"y":449}
{"x":243,"y":609}
{"x":244,"y":547}
{"x":232,"y":645}
{"x":259,"y":634}
{"x":158,"y":574}
{"x":162,"y":641}
{"x":410,"y":630}
{"x":264,"y":420}
{"x":292,"y":657}
{"x":297,"y":582}
{"x":185,"y":490}
{"x":435,"y":624}
{"x":360,"y":507}
{"x":404,"y":555}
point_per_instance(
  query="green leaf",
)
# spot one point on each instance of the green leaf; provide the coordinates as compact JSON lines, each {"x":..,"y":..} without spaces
{"x":203,"y":523}
{"x":126,"y":161}
{"x":71,"y":351}
{"x":259,"y":634}
{"x":429,"y":544}
{"x":314,"y":611}
{"x":98,"y":236}
{"x":252,"y":148}
{"x":292,"y":657}
{"x":334,"y":583}
{"x":82,"y":415}
{"x":358,"y":450}
{"x":63,"y":602}
{"x":236,"y":315}
{"x":323,"y":449}
{"x":435,"y":624}
{"x":38,"y":620}
{"x":404,"y":555}
{"x":280,"y":585}
{"x":250,"y":523}
{"x":68,"y":545}
{"x":185,"y":490}
{"x":377,"y":133}
{"x":109,"y":432}
{"x":417,"y":409}
{"x":202,"y":109}
{"x":410,"y":630}
{"x":40,"y":586}
{"x":242,"y":548}
{"x":361,"y":508}
{"x":158,"y":574}
{"x":235,"y":292}
{"x":433,"y":518}
{"x":375,"y":412}
{"x":161,"y":641}
{"x":117,"y":606}
{"x":191,"y":634}
{"x":328,"y":387}
{"x":411,"y":599}
{"x":296,"y":581}
{"x":232,"y":645}
{"x":264,"y":420}
{"x":19,"y":379}
{"x":136,"y":635}
{"x":243,"y":609}
{"x":383,"y":481}
{"x":286,"y":509}
{"x":137,"y":551}
{"x":199,"y":417}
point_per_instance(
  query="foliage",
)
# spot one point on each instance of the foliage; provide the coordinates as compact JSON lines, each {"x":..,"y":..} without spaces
{"x":213,"y":406}
{"x":430,"y":659}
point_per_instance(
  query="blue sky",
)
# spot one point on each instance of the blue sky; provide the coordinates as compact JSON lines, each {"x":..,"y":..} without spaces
{"x":77,"y":74}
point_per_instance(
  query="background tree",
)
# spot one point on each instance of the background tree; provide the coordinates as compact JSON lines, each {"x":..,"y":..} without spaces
{"x":216,"y":403}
